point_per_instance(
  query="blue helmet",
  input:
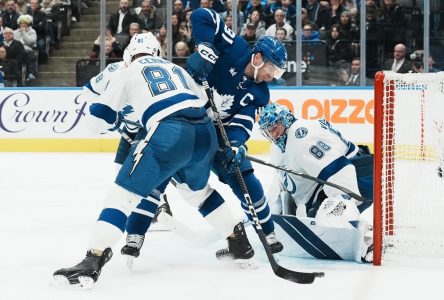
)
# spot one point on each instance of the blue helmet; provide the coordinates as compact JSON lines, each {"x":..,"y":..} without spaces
{"x":272,"y":50}
{"x":271,"y":115}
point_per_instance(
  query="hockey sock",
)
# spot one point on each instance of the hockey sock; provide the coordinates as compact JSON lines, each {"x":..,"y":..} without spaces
{"x":140,"y":219}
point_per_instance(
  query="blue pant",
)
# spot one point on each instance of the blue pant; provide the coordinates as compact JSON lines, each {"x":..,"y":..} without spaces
{"x":177,"y":146}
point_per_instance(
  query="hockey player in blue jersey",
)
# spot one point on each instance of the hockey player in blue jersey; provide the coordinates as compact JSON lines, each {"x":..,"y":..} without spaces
{"x":315,"y":148}
{"x":165,"y":100}
{"x":238,"y":77}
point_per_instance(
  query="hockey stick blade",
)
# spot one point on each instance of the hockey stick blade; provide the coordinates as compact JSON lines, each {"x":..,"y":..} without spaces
{"x":284,"y":273}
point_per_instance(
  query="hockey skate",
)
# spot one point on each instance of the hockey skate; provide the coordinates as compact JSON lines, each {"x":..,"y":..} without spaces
{"x":86,"y":273}
{"x":164,"y":207}
{"x":239,"y":248}
{"x":275,"y":245}
{"x":132,"y":248}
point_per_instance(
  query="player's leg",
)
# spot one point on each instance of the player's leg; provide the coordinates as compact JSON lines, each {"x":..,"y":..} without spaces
{"x":141,"y":172}
{"x":139,"y":221}
{"x":257,"y":195}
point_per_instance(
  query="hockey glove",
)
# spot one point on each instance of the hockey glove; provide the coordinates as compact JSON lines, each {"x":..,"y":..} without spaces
{"x":107,"y":114}
{"x":234,"y":157}
{"x":201,"y":62}
{"x":439,"y":171}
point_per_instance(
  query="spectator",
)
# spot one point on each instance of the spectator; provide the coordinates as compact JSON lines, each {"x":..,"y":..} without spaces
{"x":329,"y":15}
{"x":281,"y":35}
{"x":112,"y":50}
{"x":10,"y":69}
{"x":399,"y":63}
{"x":21,"y":7}
{"x":181,"y":49}
{"x":2,"y":7}
{"x":313,"y":8}
{"x":39,"y":25}
{"x":346,"y":27}
{"x":147,"y":17}
{"x":279,"y":17}
{"x":390,"y":12}
{"x":185,"y":35}
{"x":343,"y":73}
{"x":119,"y":21}
{"x":205,"y":3}
{"x":306,"y":20}
{"x":250,"y":33}
{"x":10,"y":16}
{"x":355,"y":72}
{"x":258,"y":23}
{"x":179,"y":10}
{"x":228,"y":11}
{"x":254,"y":5}
{"x":432,"y":69}
{"x":175,"y":25}
{"x":116,"y":47}
{"x":338,"y":48}
{"x":15,"y":49}
{"x":308,"y":34}
{"x":28,"y":37}
{"x":162,"y":38}
{"x":289,"y":9}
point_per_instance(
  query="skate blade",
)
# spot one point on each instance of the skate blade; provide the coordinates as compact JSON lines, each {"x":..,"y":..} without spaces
{"x":240,"y":263}
{"x":129,"y":261}
{"x":85,"y":283}
{"x":246,"y":263}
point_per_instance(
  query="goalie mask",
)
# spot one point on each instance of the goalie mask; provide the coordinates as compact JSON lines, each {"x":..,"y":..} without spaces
{"x":274,"y":121}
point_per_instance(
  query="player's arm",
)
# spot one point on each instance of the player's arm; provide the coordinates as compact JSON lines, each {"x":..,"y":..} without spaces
{"x":108,"y":108}
{"x":206,"y":25}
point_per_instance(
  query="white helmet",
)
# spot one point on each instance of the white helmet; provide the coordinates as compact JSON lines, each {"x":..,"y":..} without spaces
{"x":145,"y":43}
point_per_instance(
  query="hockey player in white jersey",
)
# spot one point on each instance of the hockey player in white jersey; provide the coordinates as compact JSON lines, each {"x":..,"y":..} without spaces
{"x":315,"y":148}
{"x":163,"y":98}
{"x":439,"y":127}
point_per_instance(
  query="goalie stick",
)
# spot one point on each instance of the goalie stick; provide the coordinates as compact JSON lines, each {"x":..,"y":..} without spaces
{"x":294,"y":276}
{"x":283,"y":168}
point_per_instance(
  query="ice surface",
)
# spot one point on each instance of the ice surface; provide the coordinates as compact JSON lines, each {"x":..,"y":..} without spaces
{"x":50,"y":201}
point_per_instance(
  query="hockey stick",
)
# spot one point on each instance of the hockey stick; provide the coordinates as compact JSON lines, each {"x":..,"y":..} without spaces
{"x":283,"y":168}
{"x":294,"y":276}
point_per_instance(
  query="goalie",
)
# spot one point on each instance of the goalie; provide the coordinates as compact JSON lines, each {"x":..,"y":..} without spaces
{"x":318,"y":220}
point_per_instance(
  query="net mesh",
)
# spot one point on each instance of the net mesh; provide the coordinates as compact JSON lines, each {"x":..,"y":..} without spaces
{"x":412,"y":147}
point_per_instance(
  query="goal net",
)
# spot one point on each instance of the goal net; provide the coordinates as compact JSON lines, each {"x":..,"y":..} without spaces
{"x":409,"y":142}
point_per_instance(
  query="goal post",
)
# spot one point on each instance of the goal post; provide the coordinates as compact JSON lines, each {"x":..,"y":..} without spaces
{"x":408,"y":204}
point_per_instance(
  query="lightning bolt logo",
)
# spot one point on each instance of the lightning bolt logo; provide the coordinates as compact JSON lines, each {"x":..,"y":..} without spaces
{"x":138,"y":154}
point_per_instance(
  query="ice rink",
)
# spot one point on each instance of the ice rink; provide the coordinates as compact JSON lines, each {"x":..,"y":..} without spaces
{"x":50,"y":201}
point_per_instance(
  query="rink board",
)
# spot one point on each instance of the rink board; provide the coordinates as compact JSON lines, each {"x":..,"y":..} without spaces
{"x":53,"y":119}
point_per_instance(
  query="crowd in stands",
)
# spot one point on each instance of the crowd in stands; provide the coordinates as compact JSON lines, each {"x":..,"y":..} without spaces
{"x":28,"y":28}
{"x":332,"y":24}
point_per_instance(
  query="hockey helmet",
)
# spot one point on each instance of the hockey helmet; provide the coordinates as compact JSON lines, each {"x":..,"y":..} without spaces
{"x":272,"y":50}
{"x":274,"y":121}
{"x":145,"y":43}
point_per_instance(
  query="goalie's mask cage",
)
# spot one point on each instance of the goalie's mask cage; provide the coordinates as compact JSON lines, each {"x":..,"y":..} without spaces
{"x":273,"y":115}
{"x":408,"y":142}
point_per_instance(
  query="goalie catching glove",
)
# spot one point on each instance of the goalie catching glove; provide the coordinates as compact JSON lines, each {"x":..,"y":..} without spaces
{"x":233,"y":157}
{"x":201,"y":62}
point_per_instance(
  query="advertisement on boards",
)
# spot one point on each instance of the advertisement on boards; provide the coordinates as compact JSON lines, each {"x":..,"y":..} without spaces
{"x":57,"y":115}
